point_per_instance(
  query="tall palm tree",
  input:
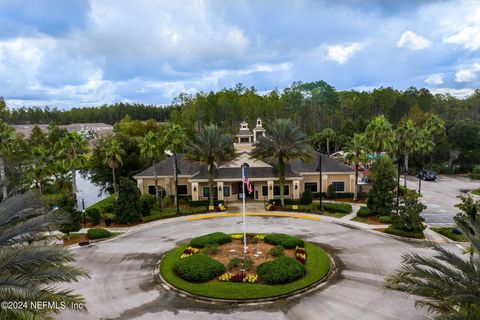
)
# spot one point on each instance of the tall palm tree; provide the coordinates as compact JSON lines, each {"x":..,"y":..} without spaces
{"x":40,"y":167}
{"x":356,"y":153}
{"x":113,"y":154}
{"x":426,"y":144}
{"x":73,"y":149}
{"x":152,"y":149}
{"x":29,"y":266}
{"x":328,"y":135}
{"x":175,"y":141}
{"x":406,"y":135}
{"x":284,"y":143}
{"x":449,"y":285}
{"x":379,"y":134}
{"x":6,"y":137}
{"x":210,"y":146}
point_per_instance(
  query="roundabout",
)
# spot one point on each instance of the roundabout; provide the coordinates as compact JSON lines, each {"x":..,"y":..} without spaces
{"x":123,"y":282}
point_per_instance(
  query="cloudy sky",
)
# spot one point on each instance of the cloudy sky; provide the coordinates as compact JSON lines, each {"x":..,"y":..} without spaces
{"x":89,"y":52}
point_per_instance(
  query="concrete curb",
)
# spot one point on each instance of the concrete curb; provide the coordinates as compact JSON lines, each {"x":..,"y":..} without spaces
{"x":247,"y":302}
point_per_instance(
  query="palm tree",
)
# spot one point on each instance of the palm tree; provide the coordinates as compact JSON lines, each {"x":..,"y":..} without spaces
{"x":356,"y":153}
{"x":426,"y":144}
{"x":6,"y":137}
{"x":40,"y":167}
{"x":152,"y":150}
{"x":210,"y":146}
{"x":328,"y":135}
{"x":113,"y":154}
{"x":379,"y":134}
{"x":29,"y":267}
{"x":448,"y":284}
{"x":175,"y":141}
{"x":73,"y":148}
{"x":284,"y":143}
{"x":406,"y":136}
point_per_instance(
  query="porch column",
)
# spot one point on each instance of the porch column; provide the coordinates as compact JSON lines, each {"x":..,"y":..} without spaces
{"x":296,"y":189}
{"x":195,"y":191}
{"x":140,"y":186}
{"x":270,"y":190}
{"x":220,"y":190}
{"x":324,"y":182}
{"x":352,"y":184}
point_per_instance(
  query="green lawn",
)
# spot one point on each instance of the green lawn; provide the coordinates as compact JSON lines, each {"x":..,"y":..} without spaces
{"x":317,"y":265}
{"x":476,"y":191}
{"x":365,"y":220}
{"x":72,"y":235}
{"x":334,"y":214}
{"x":103,"y":203}
{"x":448,"y":232}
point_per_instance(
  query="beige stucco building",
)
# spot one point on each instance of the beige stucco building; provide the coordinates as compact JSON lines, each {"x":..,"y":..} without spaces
{"x":263,"y":174}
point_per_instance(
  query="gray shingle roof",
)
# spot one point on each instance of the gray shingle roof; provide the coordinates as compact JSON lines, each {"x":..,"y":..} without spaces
{"x":199,"y":171}
{"x":244,"y":132}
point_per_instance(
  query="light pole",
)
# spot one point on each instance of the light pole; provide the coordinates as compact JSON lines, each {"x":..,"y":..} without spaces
{"x":419,"y":185}
{"x":398,"y":179}
{"x":244,"y":165}
{"x":83,"y":211}
{"x":320,"y":177}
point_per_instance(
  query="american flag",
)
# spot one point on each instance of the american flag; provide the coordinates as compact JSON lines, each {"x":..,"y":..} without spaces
{"x":248,"y":183}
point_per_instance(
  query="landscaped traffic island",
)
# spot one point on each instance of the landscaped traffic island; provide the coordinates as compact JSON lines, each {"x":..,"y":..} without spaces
{"x":214,"y":266}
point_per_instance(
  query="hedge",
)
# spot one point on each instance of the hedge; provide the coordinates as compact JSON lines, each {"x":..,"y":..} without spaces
{"x":281,"y":270}
{"x":98,"y":233}
{"x":337,"y":207}
{"x":340,"y":195}
{"x":198,"y":268}
{"x":94,"y":215}
{"x":217,"y":238}
{"x":285,"y":240}
{"x":204,"y":203}
{"x":403,"y":233}
{"x":364,"y":212}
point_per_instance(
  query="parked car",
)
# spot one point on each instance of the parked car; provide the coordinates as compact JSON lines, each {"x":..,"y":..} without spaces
{"x":427,"y":175}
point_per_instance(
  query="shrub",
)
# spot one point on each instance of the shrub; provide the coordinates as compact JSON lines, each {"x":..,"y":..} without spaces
{"x":277,"y":251}
{"x":211,"y":249}
{"x":331,"y":192}
{"x":211,"y":238}
{"x":338,"y":207}
{"x":385,"y":219}
{"x":248,"y":264}
{"x":98,"y":233}
{"x":204,"y":203}
{"x":381,"y":196}
{"x":287,"y":201}
{"x":198,"y":268}
{"x":284,"y":240}
{"x":148,"y":202}
{"x":307,"y":197}
{"x":408,"y":218}
{"x":475,"y":173}
{"x":94,"y":215}
{"x":128,"y":207}
{"x":364,"y":212}
{"x":403,"y":233}
{"x":234,"y":262}
{"x":73,"y":222}
{"x":108,"y":208}
{"x":281,"y":270}
{"x":108,"y":221}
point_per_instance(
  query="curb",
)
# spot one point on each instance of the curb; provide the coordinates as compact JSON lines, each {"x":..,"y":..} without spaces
{"x":247,"y":302}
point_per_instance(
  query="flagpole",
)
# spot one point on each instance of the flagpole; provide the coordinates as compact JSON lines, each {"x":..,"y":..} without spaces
{"x":243,"y":210}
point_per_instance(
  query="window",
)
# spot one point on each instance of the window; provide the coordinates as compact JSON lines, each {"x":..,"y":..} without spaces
{"x":312,"y":186}
{"x":206,"y":192}
{"x":276,"y":190}
{"x":182,"y":190}
{"x":226,"y":191}
{"x":151,"y":190}
{"x":265,"y":191}
{"x":244,"y":140}
{"x":339,"y":186}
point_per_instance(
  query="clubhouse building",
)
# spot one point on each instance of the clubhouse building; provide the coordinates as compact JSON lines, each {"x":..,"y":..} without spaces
{"x":263,"y":174}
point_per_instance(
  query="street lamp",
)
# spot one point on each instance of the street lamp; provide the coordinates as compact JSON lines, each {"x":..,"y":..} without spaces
{"x":398,"y":179}
{"x":83,"y":211}
{"x":176,"y":172}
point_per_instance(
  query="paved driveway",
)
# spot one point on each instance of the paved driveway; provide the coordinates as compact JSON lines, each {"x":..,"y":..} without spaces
{"x":122,"y":285}
{"x":440,"y":196}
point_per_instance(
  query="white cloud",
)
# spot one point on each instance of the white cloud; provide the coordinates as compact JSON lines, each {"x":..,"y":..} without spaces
{"x":466,"y":32}
{"x":468,"y":74}
{"x":411,"y":40}
{"x":341,"y":53}
{"x":459,"y":93}
{"x":434,"y":79}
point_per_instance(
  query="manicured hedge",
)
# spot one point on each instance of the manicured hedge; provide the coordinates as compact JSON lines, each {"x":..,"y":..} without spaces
{"x":385,"y":219}
{"x":285,"y":240}
{"x":98,"y":233}
{"x":281,"y":270}
{"x":403,"y":233}
{"x":338,"y":207}
{"x":287,"y":202}
{"x":198,"y":268}
{"x":204,"y":203}
{"x":365,"y":212}
{"x":211,"y":238}
{"x":340,"y":195}
{"x":94,"y":215}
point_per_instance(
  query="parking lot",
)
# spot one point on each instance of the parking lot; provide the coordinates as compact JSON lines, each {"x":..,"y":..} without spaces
{"x":440,"y":196}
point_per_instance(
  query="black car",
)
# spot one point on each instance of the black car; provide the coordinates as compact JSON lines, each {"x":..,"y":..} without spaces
{"x":427,"y":175}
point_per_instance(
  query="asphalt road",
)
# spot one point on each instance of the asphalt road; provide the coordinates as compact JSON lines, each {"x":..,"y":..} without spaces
{"x":440,"y":196}
{"x":122,"y":285}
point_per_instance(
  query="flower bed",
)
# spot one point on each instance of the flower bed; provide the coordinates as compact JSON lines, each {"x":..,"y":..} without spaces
{"x":228,"y":274}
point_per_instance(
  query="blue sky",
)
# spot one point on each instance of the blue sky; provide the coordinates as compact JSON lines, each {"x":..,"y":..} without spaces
{"x":89,"y":52}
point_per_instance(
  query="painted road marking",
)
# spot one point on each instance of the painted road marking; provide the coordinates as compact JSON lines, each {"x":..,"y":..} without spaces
{"x":260,"y":214}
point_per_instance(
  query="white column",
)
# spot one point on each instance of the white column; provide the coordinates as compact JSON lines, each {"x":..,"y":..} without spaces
{"x":296,"y":189}
{"x":270,"y":190}
{"x":195,"y":191}
{"x":220,"y":190}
